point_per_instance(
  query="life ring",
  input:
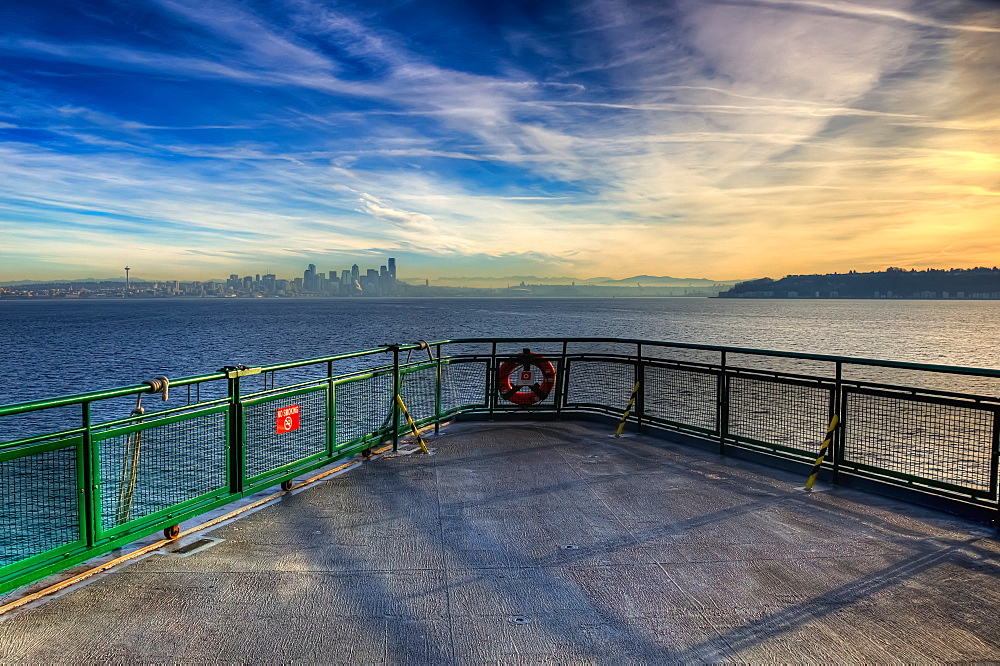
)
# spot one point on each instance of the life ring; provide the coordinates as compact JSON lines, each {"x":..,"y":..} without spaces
{"x":526,"y":390}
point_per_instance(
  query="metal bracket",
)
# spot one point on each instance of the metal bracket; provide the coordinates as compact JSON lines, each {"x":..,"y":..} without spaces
{"x":233,"y":371}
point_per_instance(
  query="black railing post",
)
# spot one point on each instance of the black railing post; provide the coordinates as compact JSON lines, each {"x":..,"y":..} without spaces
{"x":90,"y":482}
{"x":235,"y":432}
{"x":995,"y":467}
{"x":837,"y":437}
{"x":640,"y":379}
{"x":395,"y":397}
{"x":562,"y":379}
{"x":722,"y":406}
{"x":491,"y":369}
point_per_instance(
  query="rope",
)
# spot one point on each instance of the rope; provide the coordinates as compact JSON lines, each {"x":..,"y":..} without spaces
{"x":130,"y":470}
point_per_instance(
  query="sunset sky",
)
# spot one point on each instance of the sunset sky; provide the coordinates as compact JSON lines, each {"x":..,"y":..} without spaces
{"x":697,"y":138}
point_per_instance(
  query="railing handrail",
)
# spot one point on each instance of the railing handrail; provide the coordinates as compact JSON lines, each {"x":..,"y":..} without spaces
{"x":905,"y":365}
{"x":123,"y":391}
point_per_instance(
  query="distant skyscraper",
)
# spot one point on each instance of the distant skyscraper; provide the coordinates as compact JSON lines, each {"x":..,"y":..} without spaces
{"x":392,"y":268}
{"x":355,"y":273}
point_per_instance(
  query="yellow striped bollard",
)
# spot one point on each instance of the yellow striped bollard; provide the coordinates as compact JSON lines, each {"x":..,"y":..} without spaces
{"x":822,"y":452}
{"x":628,"y":410}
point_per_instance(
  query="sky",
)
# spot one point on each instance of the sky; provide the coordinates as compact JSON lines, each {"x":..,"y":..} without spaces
{"x":720,"y":139}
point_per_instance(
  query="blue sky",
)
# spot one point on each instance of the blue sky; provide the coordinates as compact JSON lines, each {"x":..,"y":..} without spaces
{"x":697,"y":138}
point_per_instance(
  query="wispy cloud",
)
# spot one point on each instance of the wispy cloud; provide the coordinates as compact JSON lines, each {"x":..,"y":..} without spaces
{"x":722,"y":138}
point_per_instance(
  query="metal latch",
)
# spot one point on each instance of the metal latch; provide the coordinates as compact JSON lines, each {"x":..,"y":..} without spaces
{"x":233,"y":371}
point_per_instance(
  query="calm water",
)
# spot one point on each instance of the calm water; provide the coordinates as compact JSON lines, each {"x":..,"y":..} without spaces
{"x":59,"y":347}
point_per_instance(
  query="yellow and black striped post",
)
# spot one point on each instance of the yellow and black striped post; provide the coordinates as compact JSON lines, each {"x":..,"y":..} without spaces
{"x":822,"y":452}
{"x":409,"y":421}
{"x":628,"y":410}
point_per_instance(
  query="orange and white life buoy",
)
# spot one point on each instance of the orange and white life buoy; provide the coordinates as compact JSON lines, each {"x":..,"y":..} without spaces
{"x":526,"y":379}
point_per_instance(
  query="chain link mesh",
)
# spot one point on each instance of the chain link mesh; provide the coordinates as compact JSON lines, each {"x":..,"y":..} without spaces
{"x":945,"y":443}
{"x":779,"y":413}
{"x":41,"y":508}
{"x":681,"y":396}
{"x":159,"y":466}
{"x":364,"y":407}
{"x":418,"y":389}
{"x":463,"y":384}
{"x":605,"y":383}
{"x":269,"y":443}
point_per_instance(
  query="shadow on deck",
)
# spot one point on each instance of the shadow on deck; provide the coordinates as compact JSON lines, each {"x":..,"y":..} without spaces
{"x":528,"y":542}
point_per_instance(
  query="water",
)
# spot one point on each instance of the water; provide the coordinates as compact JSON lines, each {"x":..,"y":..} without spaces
{"x":55,"y":348}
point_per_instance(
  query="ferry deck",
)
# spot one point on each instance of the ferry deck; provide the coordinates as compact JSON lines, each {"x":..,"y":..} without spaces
{"x":541,"y":542}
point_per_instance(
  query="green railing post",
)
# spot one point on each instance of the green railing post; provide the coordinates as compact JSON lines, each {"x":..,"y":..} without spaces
{"x":396,"y":381}
{"x":331,"y":411}
{"x":437,"y":392}
{"x":91,"y":485}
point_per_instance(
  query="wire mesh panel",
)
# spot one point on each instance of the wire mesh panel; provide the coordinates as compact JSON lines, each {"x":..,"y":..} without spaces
{"x":40,"y":509}
{"x":281,"y":430}
{"x":682,"y":397}
{"x":364,"y":407}
{"x":939,"y":442}
{"x":154,"y":466}
{"x":606,"y":384}
{"x":463,"y":384}
{"x":780,"y":414}
{"x":418,"y":388}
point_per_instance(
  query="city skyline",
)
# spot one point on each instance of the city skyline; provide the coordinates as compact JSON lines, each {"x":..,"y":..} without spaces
{"x":716,"y":138}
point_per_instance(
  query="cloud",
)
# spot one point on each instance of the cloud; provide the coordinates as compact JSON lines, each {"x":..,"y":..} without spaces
{"x":713,"y":138}
{"x":403,"y":219}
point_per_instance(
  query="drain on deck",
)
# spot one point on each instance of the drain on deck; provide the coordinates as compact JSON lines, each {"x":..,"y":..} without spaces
{"x":193,"y":547}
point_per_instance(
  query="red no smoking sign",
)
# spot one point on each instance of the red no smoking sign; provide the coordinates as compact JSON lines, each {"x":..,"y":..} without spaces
{"x":287,"y":419}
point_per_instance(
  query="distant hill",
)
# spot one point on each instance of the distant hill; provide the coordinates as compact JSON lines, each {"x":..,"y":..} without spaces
{"x":978,"y":283}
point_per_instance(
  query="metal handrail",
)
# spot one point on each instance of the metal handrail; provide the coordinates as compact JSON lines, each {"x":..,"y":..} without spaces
{"x":249,"y":423}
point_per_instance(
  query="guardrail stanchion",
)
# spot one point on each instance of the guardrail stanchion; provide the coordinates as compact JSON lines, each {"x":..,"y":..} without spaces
{"x":562,"y":386}
{"x":640,"y":378}
{"x":437,"y":391}
{"x":395,"y":397}
{"x":235,"y":432}
{"x":837,"y":450}
{"x":89,"y":465}
{"x":331,"y":410}
{"x":722,"y":415}
{"x":491,"y":369}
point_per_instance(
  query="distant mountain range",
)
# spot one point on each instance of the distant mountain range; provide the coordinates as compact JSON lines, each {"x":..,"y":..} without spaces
{"x":482,"y":282}
{"x":641,"y":280}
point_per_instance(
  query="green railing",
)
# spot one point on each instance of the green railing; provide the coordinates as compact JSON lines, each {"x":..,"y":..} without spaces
{"x":84,"y":474}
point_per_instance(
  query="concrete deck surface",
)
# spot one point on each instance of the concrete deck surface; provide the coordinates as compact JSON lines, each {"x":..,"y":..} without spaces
{"x":546,"y":543}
